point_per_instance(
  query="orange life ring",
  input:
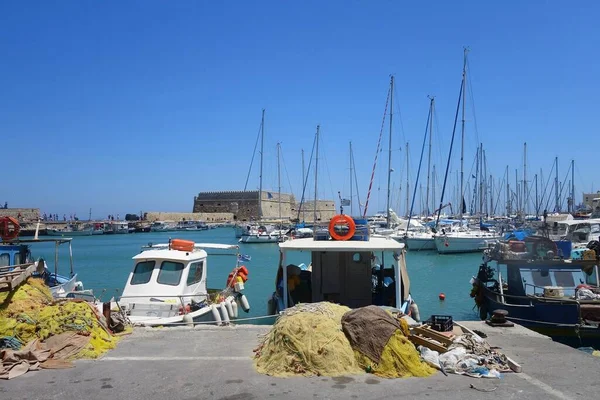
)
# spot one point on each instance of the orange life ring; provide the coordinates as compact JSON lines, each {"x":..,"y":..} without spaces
{"x":9,"y":228}
{"x":342,"y":219}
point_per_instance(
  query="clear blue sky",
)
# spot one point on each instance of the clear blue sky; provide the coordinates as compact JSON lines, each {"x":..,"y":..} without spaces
{"x":139,"y":105}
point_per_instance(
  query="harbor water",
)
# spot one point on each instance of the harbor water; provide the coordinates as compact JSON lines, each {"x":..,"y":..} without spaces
{"x":103,"y":263}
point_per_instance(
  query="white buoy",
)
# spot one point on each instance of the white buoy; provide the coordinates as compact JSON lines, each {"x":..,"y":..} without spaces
{"x":224,"y":314}
{"x":188,"y":320}
{"x":244,"y":303}
{"x":215,"y":314}
{"x":234,"y":307}
{"x":229,"y":307}
{"x":414,"y":312}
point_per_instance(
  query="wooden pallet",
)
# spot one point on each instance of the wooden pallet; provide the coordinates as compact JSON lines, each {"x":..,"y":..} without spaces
{"x":434,"y":340}
{"x":12,"y":276}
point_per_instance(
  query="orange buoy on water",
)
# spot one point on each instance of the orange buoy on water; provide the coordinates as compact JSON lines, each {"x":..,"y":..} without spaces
{"x":442,"y":296}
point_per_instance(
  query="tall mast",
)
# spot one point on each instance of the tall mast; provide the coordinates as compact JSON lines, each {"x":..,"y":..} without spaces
{"x":279,"y":178}
{"x":537,"y":208}
{"x":262,"y":141}
{"x":351,"y":212}
{"x":432,"y":189}
{"x":316,"y":175}
{"x":525,"y":178}
{"x":407,"y":182}
{"x":572,"y":185}
{"x":431,"y":106}
{"x":517,"y":195}
{"x":304,"y":179}
{"x":389,"y":176}
{"x":491,"y":213}
{"x":485,"y":184}
{"x":462,"y":135}
{"x":508,"y":210}
{"x":556,"y":195}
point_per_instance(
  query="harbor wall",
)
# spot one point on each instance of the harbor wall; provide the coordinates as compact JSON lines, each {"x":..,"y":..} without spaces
{"x":26,"y":214}
{"x":179,"y":216}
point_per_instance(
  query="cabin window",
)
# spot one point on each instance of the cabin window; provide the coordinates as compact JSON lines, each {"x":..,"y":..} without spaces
{"x":142,"y":272}
{"x":18,"y":259}
{"x":170,"y":273}
{"x":4,"y":260}
{"x":196,"y":272}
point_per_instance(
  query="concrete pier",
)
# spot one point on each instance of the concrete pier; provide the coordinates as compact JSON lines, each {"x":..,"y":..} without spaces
{"x":216,"y":363}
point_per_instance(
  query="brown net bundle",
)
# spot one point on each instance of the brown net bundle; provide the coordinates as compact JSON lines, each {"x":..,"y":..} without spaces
{"x":307,"y":340}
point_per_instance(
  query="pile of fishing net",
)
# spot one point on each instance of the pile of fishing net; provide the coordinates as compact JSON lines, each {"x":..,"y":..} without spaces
{"x":331,"y":340}
{"x":30,"y":315}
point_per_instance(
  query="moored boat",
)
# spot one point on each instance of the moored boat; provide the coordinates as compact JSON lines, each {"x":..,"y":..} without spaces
{"x":167,"y":285}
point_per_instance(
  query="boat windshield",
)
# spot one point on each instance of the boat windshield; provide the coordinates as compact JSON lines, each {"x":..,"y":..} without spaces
{"x":142,"y":272}
{"x":170,"y":273}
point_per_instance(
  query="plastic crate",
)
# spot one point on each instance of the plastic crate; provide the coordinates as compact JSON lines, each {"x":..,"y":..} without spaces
{"x":440,"y":323}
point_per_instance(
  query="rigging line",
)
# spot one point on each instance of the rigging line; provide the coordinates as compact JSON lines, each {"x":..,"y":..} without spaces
{"x":305,"y":178}
{"x":285,"y":168}
{"x":253,"y":155}
{"x":324,"y":158}
{"x":547,"y":182}
{"x":470,"y":85}
{"x":549,"y":197}
{"x":450,"y":156}
{"x":563,"y":183}
{"x":399,"y":115}
{"x":499,"y":191}
{"x":412,"y":205}
{"x":377,"y":152}
{"x":356,"y":184}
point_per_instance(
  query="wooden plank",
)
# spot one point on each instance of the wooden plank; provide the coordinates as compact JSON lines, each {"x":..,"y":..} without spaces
{"x":423,"y":341}
{"x":18,"y":266}
{"x":426,"y":331}
{"x":21,"y":278}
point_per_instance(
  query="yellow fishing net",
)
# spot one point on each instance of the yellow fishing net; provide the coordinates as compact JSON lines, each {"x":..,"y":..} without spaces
{"x":399,"y":359}
{"x":307,"y":340}
{"x":29,"y":313}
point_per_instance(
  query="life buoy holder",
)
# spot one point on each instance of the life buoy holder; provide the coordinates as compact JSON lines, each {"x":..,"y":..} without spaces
{"x":339,"y":220}
{"x":9,"y":228}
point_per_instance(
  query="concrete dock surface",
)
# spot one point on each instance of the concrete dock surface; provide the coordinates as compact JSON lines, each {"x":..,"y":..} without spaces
{"x":216,"y":363}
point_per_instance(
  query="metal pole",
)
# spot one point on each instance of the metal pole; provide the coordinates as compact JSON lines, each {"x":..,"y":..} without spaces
{"x":537,"y":208}
{"x":316,"y":175}
{"x":55,"y":258}
{"x":508,"y":210}
{"x":389,"y":175}
{"x":351,"y":209}
{"x":557,"y":197}
{"x":432,"y":189}
{"x":71,"y":258}
{"x":525,"y":178}
{"x":462,"y":142}
{"x":304,"y":179}
{"x":407,"y":182}
{"x":262,"y":140}
{"x":572,"y":185}
{"x":431,"y":105}
{"x":279,"y":180}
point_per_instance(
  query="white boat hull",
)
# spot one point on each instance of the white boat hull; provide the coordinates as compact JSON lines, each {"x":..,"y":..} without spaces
{"x":463,"y":244}
{"x":63,"y":288}
{"x":262,"y":238}
{"x":54,"y":232}
{"x":417,"y":244}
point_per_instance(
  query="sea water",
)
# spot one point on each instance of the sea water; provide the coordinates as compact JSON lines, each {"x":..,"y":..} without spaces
{"x":103,"y":263}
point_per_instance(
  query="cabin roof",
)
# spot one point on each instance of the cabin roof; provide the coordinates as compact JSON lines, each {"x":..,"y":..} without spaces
{"x":165,"y":254}
{"x":373,"y":244}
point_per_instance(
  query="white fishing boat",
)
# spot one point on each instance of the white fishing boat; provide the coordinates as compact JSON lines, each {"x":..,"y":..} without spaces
{"x":260,"y":234}
{"x":71,"y":230}
{"x":167,"y":285}
{"x":464,"y":241}
{"x":162,"y":226}
{"x":116,"y":227}
{"x":355,"y":273}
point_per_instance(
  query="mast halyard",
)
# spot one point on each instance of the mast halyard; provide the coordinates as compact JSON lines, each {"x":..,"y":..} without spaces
{"x":431,"y":106}
{"x":262,"y":142}
{"x":389,"y":175}
{"x":316,"y":175}
{"x":462,"y":142}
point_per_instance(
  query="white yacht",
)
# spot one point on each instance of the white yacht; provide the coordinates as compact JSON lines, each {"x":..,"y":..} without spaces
{"x":260,"y":234}
{"x":167,"y":285}
{"x":464,"y":240}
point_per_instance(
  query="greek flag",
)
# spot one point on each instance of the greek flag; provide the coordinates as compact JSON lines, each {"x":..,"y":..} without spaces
{"x":345,"y":202}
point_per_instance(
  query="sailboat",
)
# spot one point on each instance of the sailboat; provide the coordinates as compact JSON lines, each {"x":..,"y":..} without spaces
{"x":258,"y":233}
{"x":461,"y":239}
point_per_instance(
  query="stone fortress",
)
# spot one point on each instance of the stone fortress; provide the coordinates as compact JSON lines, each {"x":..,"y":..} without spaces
{"x":244,"y":205}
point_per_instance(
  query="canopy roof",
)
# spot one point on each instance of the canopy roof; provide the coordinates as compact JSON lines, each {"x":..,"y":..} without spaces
{"x":373,"y":244}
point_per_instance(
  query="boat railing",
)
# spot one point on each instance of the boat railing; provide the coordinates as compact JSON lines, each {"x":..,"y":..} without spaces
{"x":181,"y":298}
{"x":539,"y":290}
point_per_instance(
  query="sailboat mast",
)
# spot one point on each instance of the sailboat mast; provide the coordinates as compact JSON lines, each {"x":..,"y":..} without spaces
{"x":316,"y":175}
{"x":537,"y":208}
{"x":556,"y":195}
{"x":262,"y":141}
{"x":279,"y":178}
{"x":525,"y":178}
{"x":508,"y":210}
{"x":462,"y":135}
{"x":389,"y":175}
{"x":351,"y":212}
{"x":491,"y":211}
{"x":304,"y":179}
{"x":432,"y":189}
{"x":431,"y":105}
{"x":407,"y":182}
{"x":572,"y":185}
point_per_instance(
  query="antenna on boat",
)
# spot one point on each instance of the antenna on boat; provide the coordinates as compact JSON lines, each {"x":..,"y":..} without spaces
{"x":37,"y":230}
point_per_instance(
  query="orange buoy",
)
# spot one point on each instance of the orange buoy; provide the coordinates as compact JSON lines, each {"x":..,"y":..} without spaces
{"x":342,"y":219}
{"x":442,"y":296}
{"x":182,"y":245}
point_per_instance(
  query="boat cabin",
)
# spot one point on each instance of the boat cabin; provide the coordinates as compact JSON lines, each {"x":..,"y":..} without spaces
{"x":351,"y":273}
{"x":168,"y":276}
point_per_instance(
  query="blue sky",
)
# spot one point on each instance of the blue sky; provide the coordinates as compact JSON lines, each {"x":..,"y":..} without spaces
{"x":129,"y":106}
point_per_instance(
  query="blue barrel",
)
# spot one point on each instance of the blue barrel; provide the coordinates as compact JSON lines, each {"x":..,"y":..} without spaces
{"x":362,"y":230}
{"x":564,"y":248}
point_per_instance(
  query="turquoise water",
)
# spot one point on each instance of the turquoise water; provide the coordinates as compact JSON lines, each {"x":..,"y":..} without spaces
{"x":103,"y":263}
